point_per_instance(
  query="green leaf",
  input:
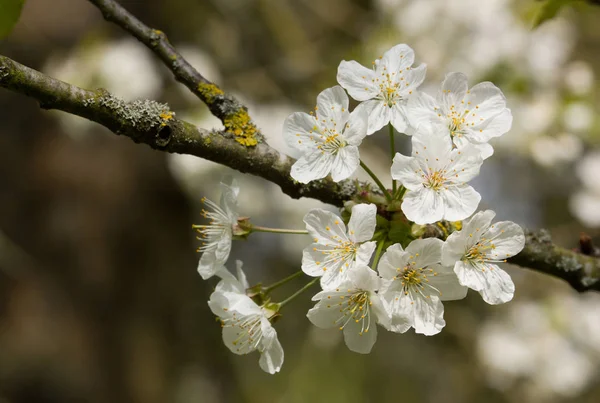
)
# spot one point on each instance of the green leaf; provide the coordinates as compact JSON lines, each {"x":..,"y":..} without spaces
{"x":548,"y":10}
{"x":10,"y":10}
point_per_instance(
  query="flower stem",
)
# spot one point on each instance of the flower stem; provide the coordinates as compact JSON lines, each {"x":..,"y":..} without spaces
{"x":256,"y":228}
{"x":300,"y":291}
{"x":378,"y":253}
{"x":400,"y":193}
{"x":393,"y":153}
{"x":377,"y":181}
{"x":273,"y":286}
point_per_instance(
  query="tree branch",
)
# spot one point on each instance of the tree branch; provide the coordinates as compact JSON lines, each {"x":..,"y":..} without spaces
{"x":224,"y":106}
{"x":580,"y":271}
{"x":240,"y":146}
{"x":154,"y":124}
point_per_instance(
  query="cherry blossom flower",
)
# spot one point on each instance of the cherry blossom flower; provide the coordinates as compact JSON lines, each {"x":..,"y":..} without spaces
{"x":336,"y":250}
{"x":217,"y":235}
{"x":475,"y":250}
{"x":328,"y":139}
{"x":469,"y":116}
{"x":436,"y":178}
{"x":383,"y":90}
{"x":417,"y":285}
{"x":354,"y":307}
{"x":246,"y":326}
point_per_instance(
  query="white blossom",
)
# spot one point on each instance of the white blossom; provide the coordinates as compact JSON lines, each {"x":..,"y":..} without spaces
{"x":246,"y":326}
{"x":417,"y":285}
{"x":475,"y":250}
{"x":436,"y":178}
{"x":328,"y":139}
{"x":469,"y":116}
{"x":353,"y":307}
{"x":383,"y":90}
{"x":217,"y":235}
{"x":336,"y":250}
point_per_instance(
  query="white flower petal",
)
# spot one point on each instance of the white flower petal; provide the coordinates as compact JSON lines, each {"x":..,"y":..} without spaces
{"x":324,"y":225}
{"x":357,"y":80}
{"x":361,"y":226}
{"x":401,"y":309}
{"x":446,"y":281}
{"x":425,"y":252}
{"x":422,"y":109}
{"x":223,"y":248}
{"x":231,"y":338}
{"x":364,"y":278}
{"x":324,"y":314}
{"x":398,"y":119}
{"x":494,"y":284}
{"x":484,"y":101}
{"x":381,"y":312}
{"x":332,"y":107}
{"x":378,"y":114}
{"x":465,"y":164}
{"x":414,"y":78}
{"x":428,"y":315}
{"x":508,"y":239}
{"x":358,"y":339}
{"x":298,"y":131}
{"x":356,"y":128}
{"x":424,"y":206}
{"x":407,"y":171}
{"x":208,"y":265}
{"x":310,"y":256}
{"x":271,"y":358}
{"x":493,"y":127}
{"x":453,"y":249}
{"x":241,"y":276}
{"x":479,"y":223}
{"x":345,"y":163}
{"x":393,"y":258}
{"x":396,"y":59}
{"x":460,"y":202}
{"x":364,"y":253}
{"x":336,"y":273}
{"x":454,"y":88}
{"x":433,"y":146}
{"x":312,"y":166}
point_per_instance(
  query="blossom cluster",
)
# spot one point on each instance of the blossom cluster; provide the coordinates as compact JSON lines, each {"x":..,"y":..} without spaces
{"x":378,"y":263}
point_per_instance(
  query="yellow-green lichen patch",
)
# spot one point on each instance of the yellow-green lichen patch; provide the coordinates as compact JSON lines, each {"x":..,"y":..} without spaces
{"x":209,"y":92}
{"x":166,"y":116}
{"x":240,"y":124}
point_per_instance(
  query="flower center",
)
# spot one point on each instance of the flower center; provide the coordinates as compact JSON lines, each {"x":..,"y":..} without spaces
{"x":249,"y":332}
{"x":480,"y":252}
{"x":342,"y":252}
{"x":435,"y":180}
{"x":218,"y":226}
{"x":331,"y":142}
{"x":356,"y":307}
{"x":457,"y":121}
{"x":415,"y":279}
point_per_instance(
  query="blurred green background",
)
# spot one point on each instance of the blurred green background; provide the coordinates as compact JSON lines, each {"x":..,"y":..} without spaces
{"x":99,"y":296}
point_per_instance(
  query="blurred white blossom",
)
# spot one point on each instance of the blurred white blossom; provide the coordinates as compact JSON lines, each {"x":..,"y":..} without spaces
{"x":545,"y":344}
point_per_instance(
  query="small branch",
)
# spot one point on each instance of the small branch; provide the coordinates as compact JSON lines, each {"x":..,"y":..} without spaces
{"x":154,"y":124}
{"x":224,"y":106}
{"x":580,"y":271}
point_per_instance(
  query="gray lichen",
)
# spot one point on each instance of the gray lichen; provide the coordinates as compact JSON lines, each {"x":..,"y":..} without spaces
{"x":141,"y":114}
